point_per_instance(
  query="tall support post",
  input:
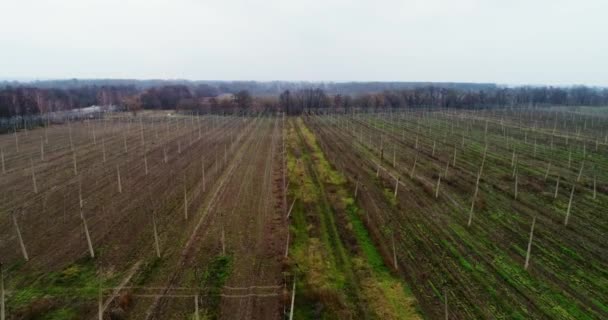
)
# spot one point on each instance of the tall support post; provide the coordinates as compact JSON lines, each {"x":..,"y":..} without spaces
{"x":23,"y":250}
{"x":474,"y":198}
{"x":155,"y":229}
{"x":396,"y":187}
{"x":569,"y":206}
{"x":196,"y":315}
{"x":35,"y":185}
{"x":293,"y":298}
{"x":118,"y":179}
{"x":41,"y":148}
{"x":2,"y":306}
{"x":556,"y":187}
{"x":530,"y":244}
{"x":74,"y":162}
{"x":88,"y":236}
{"x":103,"y":148}
{"x":2,"y":158}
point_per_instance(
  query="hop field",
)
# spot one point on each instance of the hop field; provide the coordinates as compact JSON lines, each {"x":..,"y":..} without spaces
{"x":410,"y":214}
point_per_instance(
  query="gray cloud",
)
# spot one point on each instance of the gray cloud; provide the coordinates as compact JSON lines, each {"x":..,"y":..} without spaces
{"x":516,"y":42}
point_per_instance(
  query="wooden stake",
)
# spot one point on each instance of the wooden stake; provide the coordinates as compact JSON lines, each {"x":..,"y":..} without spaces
{"x":118,"y":179}
{"x":23,"y":250}
{"x":145,"y":163}
{"x":516,"y":178}
{"x":287,"y":244}
{"x":396,"y":187}
{"x":33,"y":176}
{"x":414,"y":166}
{"x":474,"y":198}
{"x":569,"y":206}
{"x":530,"y":244}
{"x":293,"y":298}
{"x":547,"y":172}
{"x":86,"y":232}
{"x":394,"y":253}
{"x":80,"y":202}
{"x":203,"y":167}
{"x":74,"y":163}
{"x":223,"y":241}
{"x":445,"y":293}
{"x":185,"y":202}
{"x":2,"y":156}
{"x":16,"y":140}
{"x":594,"y":186}
{"x":100,"y":304}
{"x":103,"y":148}
{"x":41,"y":148}
{"x":155,"y":229}
{"x":437,"y":187}
{"x":2,"y":306}
{"x":290,"y":208}
{"x":196,"y":315}
{"x":556,"y":187}
{"x":580,"y":172}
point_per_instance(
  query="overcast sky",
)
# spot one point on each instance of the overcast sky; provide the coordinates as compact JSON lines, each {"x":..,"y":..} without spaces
{"x":552,"y":42}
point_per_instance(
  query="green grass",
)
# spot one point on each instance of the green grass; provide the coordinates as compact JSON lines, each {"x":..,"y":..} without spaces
{"x":77,"y":283}
{"x":212,"y":281}
{"x":348,"y":284}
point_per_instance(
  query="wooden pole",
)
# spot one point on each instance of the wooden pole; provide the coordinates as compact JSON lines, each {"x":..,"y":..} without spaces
{"x":2,"y":156}
{"x":396,"y":187}
{"x":287,"y":243}
{"x":23,"y":250}
{"x":594,"y":186}
{"x":530,"y":244}
{"x":118,"y":179}
{"x":293,"y":298}
{"x":414,"y":166}
{"x":2,"y":306}
{"x":35,"y":185}
{"x":569,"y":206}
{"x":556,"y":187}
{"x":196,"y":315}
{"x":547,"y":172}
{"x":290,"y":208}
{"x":86,"y":232}
{"x":223,"y":241}
{"x":445,"y":292}
{"x":145,"y":163}
{"x":437,"y":187}
{"x":100,"y":304}
{"x":124,"y":139}
{"x":103,"y":148}
{"x":155,"y":229}
{"x":74,"y":162}
{"x":474,"y":198}
{"x":80,"y":202}
{"x":203,"y":167}
{"x":394,"y":253}
{"x":41,"y":148}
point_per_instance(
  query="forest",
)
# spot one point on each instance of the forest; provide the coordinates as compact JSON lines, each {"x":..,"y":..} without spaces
{"x":23,"y":99}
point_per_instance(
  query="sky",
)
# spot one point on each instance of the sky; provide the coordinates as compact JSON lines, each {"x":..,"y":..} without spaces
{"x":550,"y":42}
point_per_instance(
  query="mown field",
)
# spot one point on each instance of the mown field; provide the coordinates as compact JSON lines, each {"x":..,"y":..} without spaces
{"x":415,"y":214}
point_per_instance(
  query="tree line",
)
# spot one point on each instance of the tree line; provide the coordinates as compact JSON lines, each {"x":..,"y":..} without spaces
{"x":219,"y":98}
